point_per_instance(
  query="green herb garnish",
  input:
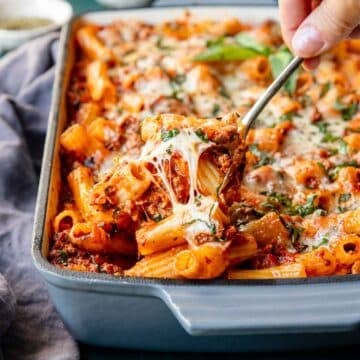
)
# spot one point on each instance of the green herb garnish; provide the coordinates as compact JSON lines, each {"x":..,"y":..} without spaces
{"x":308,"y":208}
{"x":320,"y":212}
{"x":324,"y":241}
{"x":63,"y":256}
{"x":157,"y":217}
{"x":343,"y":147}
{"x":344,"y":197}
{"x":160,"y":44}
{"x":325,"y":89}
{"x":224,"y":93}
{"x":169,"y":134}
{"x":306,"y":100}
{"x":200,"y":134}
{"x":288,"y":116}
{"x":327,"y":135}
{"x":333,"y":172}
{"x":347,"y":111}
{"x":215,"y":110}
{"x":276,"y":201}
{"x":179,"y":79}
{"x":264,"y":157}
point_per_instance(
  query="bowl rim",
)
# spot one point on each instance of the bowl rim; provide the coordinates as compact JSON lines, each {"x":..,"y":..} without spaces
{"x":50,"y":27}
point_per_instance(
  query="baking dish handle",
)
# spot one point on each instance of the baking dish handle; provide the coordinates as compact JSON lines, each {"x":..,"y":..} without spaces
{"x":264,"y":309}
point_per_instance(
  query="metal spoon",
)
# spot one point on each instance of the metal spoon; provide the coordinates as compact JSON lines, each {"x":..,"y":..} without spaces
{"x":254,"y":112}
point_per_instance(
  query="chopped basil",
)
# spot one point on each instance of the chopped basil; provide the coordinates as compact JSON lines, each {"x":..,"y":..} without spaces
{"x":210,"y":225}
{"x":225,"y":52}
{"x":251,"y":43}
{"x":169,"y":150}
{"x":169,"y":134}
{"x":295,"y":233}
{"x":308,"y":208}
{"x":320,"y":164}
{"x":288,"y":116}
{"x":344,"y":197}
{"x":347,"y":111}
{"x":278,"y":62}
{"x":157,"y":217}
{"x":200,"y":134}
{"x":327,"y":135}
{"x":63,"y":256}
{"x":325,"y":89}
{"x":306,"y":100}
{"x":264,"y":157}
{"x":276,"y":201}
{"x":160,"y":44}
{"x":333,"y":172}
{"x":215,"y":110}
{"x":179,"y":79}
{"x":343,"y":147}
{"x":324,"y":241}
{"x":175,"y":87}
{"x":224,"y":93}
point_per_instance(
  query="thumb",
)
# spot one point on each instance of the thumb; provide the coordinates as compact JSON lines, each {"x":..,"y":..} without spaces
{"x":330,"y":22}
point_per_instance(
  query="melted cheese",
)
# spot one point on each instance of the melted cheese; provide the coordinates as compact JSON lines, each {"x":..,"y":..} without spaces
{"x":197,"y":215}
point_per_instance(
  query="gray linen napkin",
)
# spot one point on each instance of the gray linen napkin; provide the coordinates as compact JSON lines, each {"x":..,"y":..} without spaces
{"x":30,"y":328}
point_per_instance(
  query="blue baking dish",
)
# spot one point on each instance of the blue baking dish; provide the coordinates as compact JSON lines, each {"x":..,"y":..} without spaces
{"x":173,"y":315}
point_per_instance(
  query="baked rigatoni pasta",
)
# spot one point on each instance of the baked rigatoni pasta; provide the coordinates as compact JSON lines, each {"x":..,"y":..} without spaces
{"x":154,"y":123}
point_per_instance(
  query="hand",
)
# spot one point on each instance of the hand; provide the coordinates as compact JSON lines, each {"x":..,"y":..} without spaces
{"x":311,"y":27}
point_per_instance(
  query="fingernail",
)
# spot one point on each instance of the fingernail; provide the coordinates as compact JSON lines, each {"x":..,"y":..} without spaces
{"x":307,"y":41}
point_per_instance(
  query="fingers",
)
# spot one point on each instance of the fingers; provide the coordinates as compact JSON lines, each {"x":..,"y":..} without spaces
{"x":292,"y":14}
{"x":330,"y":22}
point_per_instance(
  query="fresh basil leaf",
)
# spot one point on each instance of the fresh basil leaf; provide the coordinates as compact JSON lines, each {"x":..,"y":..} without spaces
{"x":225,"y":52}
{"x":278,"y":62}
{"x":213,"y":42}
{"x":250,"y":42}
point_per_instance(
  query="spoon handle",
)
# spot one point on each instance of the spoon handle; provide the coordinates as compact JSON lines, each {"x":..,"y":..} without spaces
{"x":256,"y":109}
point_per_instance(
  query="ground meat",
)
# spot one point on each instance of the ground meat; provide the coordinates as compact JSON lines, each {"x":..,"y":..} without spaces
{"x":130,"y":138}
{"x":65,"y":255}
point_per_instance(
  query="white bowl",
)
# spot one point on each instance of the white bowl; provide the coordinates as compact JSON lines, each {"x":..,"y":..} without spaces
{"x":58,"y":11}
{"x":125,"y":3}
